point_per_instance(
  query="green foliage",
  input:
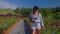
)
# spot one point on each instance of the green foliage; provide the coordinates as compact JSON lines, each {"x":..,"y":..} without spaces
{"x":6,"y":22}
{"x":48,"y":29}
{"x":46,"y":12}
{"x":49,"y":15}
{"x":23,"y":11}
{"x":6,"y":11}
{"x":56,"y":12}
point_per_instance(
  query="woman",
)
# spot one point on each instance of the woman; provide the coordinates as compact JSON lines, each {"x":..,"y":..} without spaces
{"x":36,"y":19}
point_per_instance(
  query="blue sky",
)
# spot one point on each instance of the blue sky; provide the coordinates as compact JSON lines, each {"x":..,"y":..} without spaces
{"x":30,"y":3}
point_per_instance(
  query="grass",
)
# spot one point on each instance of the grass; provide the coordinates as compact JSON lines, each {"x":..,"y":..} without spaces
{"x":49,"y":29}
{"x":6,"y":22}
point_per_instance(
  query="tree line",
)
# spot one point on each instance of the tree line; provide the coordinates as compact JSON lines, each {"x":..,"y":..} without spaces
{"x":46,"y":12}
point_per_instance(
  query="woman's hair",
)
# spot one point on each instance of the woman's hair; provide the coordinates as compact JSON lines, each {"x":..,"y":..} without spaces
{"x":36,"y":7}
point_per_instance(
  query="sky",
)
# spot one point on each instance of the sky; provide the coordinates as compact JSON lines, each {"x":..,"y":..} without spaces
{"x":29,"y":3}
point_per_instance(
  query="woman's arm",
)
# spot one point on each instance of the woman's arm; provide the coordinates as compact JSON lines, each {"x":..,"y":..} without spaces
{"x":42,"y":25}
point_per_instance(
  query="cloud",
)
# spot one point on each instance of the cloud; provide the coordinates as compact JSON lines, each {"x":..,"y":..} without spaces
{"x":6,"y":4}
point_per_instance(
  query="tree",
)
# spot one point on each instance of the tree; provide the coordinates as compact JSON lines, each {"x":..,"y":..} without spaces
{"x":44,"y":12}
{"x":17,"y":10}
{"x":56,"y":13}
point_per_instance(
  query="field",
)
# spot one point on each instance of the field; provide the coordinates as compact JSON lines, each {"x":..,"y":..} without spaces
{"x":6,"y":22}
{"x":51,"y":18}
{"x":51,"y":26}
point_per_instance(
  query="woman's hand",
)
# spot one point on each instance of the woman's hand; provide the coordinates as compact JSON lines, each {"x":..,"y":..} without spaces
{"x":43,"y":29}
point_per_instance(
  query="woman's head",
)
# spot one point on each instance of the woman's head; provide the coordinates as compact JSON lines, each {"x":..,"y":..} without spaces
{"x":35,"y":8}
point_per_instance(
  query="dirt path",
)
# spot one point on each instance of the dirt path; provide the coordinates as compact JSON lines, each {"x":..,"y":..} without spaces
{"x":19,"y":28}
{"x":11,"y":28}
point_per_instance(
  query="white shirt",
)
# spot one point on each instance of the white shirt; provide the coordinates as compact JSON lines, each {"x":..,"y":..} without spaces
{"x":38,"y":18}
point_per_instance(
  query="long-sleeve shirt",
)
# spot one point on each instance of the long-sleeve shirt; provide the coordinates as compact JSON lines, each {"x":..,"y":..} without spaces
{"x":36,"y":18}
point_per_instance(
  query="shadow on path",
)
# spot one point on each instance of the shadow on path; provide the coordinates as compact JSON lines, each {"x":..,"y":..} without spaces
{"x":27,"y":28}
